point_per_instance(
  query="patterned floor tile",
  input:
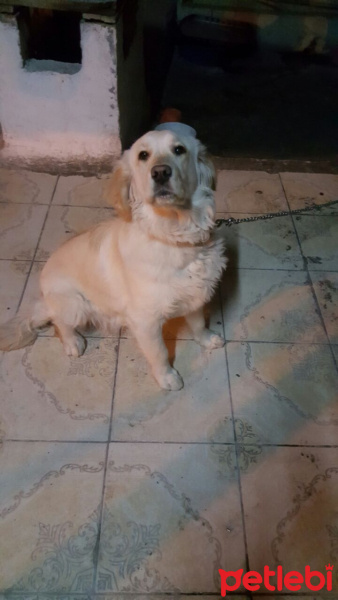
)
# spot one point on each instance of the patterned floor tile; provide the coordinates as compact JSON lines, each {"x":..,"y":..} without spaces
{"x":26,"y":186}
{"x":76,"y":190}
{"x":171,"y":519}
{"x":306,"y":189}
{"x":45,"y":395}
{"x":199,"y":412}
{"x":290,"y":506}
{"x":270,"y":306}
{"x":20,"y":229}
{"x":263,"y":244}
{"x":66,"y":221}
{"x":326,"y":289}
{"x":49,"y":510}
{"x":249,"y":191}
{"x":13,"y":274}
{"x":284,"y":394}
{"x":318,"y":237}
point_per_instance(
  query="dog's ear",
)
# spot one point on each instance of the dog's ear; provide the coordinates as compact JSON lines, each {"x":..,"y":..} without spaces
{"x":205,"y":167}
{"x":117,"y":190}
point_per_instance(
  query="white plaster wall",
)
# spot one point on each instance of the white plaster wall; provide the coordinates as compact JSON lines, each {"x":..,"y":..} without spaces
{"x":51,"y":114}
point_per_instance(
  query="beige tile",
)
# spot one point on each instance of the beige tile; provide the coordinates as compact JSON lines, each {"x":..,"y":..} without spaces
{"x":49,"y":500}
{"x":199,"y":412}
{"x":249,"y":191}
{"x":326,"y":289}
{"x":64,"y":222}
{"x":176,"y":509}
{"x":306,"y":189}
{"x":318,"y":238}
{"x":13,"y":275}
{"x":26,"y":186}
{"x":283,"y":393}
{"x":46,"y":395}
{"x":76,"y":190}
{"x":20,"y":227}
{"x":262,"y":244}
{"x":290,"y":505}
{"x":270,"y":306}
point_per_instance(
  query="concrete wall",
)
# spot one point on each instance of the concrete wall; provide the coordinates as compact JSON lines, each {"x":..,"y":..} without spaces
{"x":64,"y":116}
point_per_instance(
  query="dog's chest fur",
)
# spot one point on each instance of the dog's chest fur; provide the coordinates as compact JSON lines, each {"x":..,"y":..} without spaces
{"x":175,"y":280}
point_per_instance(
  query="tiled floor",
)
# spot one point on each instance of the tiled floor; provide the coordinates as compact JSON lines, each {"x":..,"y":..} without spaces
{"x":108,"y":485}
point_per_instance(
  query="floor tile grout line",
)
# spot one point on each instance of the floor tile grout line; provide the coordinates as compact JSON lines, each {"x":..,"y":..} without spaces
{"x":229,"y":341}
{"x":229,"y":268}
{"x":247,"y":562}
{"x":98,"y":541}
{"x":37,"y":246}
{"x":311,"y":284}
{"x":168,"y":443}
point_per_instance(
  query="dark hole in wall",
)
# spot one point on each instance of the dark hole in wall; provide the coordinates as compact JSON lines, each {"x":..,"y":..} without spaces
{"x":49,"y":35}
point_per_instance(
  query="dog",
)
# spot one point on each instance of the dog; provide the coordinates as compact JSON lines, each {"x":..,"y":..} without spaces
{"x":157,"y":259}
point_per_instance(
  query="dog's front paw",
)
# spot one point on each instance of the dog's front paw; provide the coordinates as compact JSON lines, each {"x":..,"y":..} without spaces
{"x":170,"y":380}
{"x":211,"y":340}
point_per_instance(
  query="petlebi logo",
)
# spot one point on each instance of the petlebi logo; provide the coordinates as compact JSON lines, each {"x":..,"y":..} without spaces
{"x":291,"y":580}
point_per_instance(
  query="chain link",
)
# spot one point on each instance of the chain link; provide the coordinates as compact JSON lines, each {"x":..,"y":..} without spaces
{"x":283,"y":213}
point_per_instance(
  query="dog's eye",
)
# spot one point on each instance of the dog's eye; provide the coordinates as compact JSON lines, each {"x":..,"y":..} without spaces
{"x":143,"y":155}
{"x":179,"y":150}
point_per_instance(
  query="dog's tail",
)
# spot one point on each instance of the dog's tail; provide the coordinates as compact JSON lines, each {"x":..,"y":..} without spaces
{"x":22,"y":330}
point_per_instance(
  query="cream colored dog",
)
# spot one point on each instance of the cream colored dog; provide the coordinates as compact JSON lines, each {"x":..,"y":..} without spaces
{"x":159,"y":259}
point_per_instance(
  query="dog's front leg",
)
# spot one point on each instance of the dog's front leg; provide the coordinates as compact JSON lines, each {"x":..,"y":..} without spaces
{"x":150,"y":340}
{"x":203,"y":336}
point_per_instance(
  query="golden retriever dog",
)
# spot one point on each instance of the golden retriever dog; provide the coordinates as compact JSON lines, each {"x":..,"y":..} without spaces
{"x":158,"y":259}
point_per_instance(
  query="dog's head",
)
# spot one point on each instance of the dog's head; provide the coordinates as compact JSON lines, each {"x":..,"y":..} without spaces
{"x":163,"y":170}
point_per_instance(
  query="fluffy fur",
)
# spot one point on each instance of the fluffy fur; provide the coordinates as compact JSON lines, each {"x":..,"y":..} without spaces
{"x":159,"y":259}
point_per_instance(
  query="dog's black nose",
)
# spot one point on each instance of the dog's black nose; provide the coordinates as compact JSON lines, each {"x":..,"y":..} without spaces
{"x":161,"y":173}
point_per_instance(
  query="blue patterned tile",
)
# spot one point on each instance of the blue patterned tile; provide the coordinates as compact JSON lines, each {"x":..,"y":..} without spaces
{"x":168,"y":509}
{"x":262,"y":244}
{"x":271,"y":306}
{"x":318,"y":237}
{"x":49,"y":513}
{"x":198,"y":412}
{"x":286,"y":393}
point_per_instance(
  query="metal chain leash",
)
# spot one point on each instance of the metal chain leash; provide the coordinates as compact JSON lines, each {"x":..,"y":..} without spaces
{"x":283,"y":213}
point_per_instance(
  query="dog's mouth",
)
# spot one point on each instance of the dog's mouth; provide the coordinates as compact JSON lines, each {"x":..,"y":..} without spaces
{"x":165,"y":196}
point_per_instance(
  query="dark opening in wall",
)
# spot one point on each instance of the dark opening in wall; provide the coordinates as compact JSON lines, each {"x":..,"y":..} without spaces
{"x":49,"y":35}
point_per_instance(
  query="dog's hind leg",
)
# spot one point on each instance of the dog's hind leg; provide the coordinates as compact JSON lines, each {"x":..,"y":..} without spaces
{"x":68,"y":312}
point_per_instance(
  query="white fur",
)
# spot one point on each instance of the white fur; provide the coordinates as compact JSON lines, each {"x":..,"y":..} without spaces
{"x":161,"y":261}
